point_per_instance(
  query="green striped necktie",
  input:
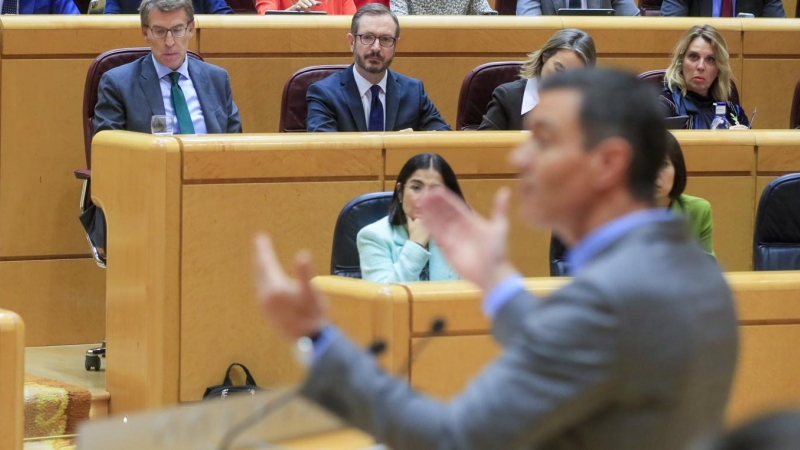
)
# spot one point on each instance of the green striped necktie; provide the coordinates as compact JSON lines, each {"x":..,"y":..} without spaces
{"x":180,"y":106}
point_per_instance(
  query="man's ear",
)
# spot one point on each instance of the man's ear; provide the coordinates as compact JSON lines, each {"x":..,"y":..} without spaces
{"x":351,"y":40}
{"x":144,"y":32}
{"x":610,"y":162}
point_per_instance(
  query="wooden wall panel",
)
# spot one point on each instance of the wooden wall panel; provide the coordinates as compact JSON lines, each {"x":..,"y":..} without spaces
{"x":41,"y":143}
{"x":732,"y":200}
{"x":768,"y":370}
{"x":137,"y":184}
{"x":445,"y":365}
{"x":63,"y":300}
{"x":772,"y":95}
{"x":257,"y":85}
{"x":219,"y":320}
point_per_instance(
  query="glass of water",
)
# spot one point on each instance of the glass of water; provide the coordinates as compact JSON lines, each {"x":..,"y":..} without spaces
{"x":162,"y":125}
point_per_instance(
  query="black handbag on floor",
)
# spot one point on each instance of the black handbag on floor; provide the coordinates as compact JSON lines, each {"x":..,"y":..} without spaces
{"x":228,"y":388}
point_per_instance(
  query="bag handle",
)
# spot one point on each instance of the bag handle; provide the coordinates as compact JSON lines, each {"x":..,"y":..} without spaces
{"x":248,"y":380}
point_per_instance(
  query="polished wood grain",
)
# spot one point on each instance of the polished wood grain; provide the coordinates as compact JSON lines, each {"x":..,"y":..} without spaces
{"x":219,"y":320}
{"x":768,"y":325}
{"x":12,"y":377}
{"x":138,"y":186}
{"x":192,"y":253}
{"x":63,"y":299}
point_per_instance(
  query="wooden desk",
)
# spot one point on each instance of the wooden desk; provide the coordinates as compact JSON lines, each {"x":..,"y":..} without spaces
{"x":769,"y":327}
{"x":182,"y":212}
{"x":43,"y":63}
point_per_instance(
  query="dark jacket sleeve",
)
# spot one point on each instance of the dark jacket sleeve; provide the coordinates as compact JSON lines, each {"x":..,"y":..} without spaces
{"x":61,"y":7}
{"x":773,"y":8}
{"x":320,"y":115}
{"x":234,"y":121}
{"x":216,"y":7}
{"x":112,"y":7}
{"x":676,"y":8}
{"x":429,"y":117}
{"x":109,"y":112}
{"x":496,"y":117}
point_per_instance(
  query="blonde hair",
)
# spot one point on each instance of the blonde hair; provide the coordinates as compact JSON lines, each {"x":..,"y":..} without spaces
{"x":720,"y":89}
{"x":568,"y":39}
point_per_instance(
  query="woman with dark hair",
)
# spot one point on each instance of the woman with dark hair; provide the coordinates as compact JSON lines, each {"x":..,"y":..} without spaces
{"x":398,"y":248}
{"x":670,"y":184}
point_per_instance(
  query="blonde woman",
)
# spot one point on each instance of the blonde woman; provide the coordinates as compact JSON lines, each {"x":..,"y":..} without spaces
{"x":698,"y":76}
{"x":567,"y":49}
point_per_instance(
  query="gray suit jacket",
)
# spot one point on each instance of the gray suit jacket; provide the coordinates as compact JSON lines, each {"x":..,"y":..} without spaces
{"x":637,"y":352}
{"x":703,"y":8}
{"x":551,"y":7}
{"x":129,"y":95}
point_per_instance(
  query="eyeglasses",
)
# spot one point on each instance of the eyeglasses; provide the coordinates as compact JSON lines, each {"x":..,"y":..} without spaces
{"x":385,"y":41}
{"x":161,"y":33}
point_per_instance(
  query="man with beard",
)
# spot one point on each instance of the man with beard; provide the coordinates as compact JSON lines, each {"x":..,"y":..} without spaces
{"x":367,"y":96}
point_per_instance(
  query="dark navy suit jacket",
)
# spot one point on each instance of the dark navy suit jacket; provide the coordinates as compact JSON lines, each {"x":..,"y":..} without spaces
{"x":47,"y":7}
{"x":334,"y":104}
{"x":200,"y":7}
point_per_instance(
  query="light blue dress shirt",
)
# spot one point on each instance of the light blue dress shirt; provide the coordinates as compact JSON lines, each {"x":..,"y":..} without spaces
{"x":185,"y":82}
{"x":716,"y":8}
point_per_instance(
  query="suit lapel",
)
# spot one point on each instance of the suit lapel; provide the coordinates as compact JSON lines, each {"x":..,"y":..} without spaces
{"x":151,"y":86}
{"x":200,"y":79}
{"x":394,"y":92}
{"x":353,"y":98}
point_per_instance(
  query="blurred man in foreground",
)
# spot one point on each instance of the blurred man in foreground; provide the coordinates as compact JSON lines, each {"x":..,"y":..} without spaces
{"x":636,"y":352}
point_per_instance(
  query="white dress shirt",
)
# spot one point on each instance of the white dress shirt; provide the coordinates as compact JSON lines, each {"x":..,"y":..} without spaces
{"x":185,"y":82}
{"x":366,"y":94}
{"x":531,"y":96}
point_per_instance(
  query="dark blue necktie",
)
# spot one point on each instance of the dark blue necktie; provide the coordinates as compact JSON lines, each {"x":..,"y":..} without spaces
{"x":376,"y":110}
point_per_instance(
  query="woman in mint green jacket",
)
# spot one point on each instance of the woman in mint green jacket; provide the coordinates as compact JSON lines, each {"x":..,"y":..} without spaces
{"x":669,"y":194}
{"x":398,"y":248}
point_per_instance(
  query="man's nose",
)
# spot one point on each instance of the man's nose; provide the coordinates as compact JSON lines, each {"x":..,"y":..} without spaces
{"x":376,"y":45}
{"x":169,"y":39}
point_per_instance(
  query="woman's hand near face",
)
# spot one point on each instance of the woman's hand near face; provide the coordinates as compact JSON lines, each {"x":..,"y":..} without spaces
{"x":417,"y":232}
{"x":303,"y":5}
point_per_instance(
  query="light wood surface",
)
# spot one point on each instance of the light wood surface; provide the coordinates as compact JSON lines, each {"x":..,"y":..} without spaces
{"x":62,"y":299}
{"x":139,"y":179}
{"x":766,"y":374}
{"x":12,"y":377}
{"x":43,"y":62}
{"x":180,"y":297}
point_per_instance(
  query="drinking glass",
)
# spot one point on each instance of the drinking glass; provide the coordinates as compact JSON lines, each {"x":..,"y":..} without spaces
{"x":162,"y":125}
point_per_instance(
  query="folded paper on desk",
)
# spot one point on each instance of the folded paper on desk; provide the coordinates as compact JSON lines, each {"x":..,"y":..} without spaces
{"x":201,"y":426}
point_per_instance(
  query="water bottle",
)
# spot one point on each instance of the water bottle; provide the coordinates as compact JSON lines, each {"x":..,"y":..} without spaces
{"x":719,"y":122}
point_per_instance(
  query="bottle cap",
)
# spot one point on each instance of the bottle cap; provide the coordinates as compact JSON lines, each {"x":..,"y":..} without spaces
{"x":719,"y":109}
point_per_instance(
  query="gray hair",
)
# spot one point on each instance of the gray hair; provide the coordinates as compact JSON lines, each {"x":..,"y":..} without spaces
{"x":165,"y":6}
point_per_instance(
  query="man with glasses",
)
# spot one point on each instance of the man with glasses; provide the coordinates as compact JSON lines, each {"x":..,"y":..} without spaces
{"x":368,"y":96}
{"x":166,"y":81}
